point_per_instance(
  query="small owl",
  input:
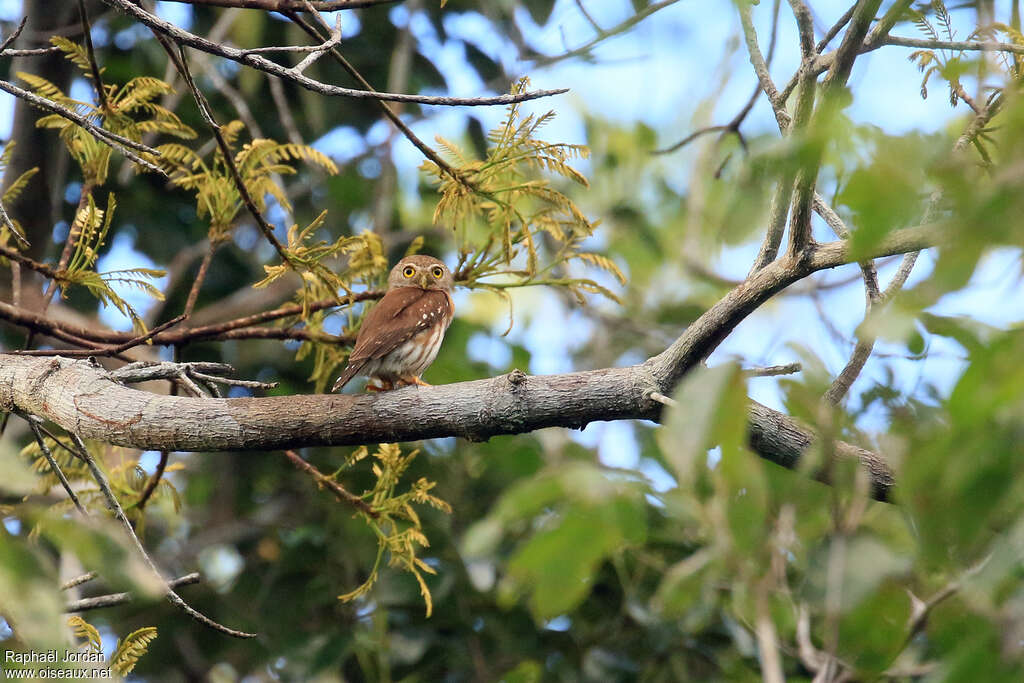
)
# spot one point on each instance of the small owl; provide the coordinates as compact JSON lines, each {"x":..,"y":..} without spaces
{"x":402,"y":334}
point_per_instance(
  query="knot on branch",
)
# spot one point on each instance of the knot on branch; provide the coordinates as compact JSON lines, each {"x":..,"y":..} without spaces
{"x":516,"y":378}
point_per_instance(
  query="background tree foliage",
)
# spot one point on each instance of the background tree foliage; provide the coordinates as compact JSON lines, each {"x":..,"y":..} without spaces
{"x":538,"y":556}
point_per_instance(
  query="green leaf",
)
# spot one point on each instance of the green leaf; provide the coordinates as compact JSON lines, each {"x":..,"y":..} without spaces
{"x":30,"y":597}
{"x":557,"y":564}
{"x":709,"y":403}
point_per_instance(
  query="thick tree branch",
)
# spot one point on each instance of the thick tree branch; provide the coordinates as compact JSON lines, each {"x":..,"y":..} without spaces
{"x":80,"y":396}
{"x":86,"y":400}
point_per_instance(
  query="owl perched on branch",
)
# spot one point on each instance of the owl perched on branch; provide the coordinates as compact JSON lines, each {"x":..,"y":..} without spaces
{"x":402,"y":334}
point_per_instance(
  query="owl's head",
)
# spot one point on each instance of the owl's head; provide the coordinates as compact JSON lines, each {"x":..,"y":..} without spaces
{"x":425,"y":272}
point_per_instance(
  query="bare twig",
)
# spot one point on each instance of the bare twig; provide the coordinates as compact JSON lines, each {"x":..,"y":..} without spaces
{"x":388,"y":112}
{"x":204,"y":267}
{"x":965,"y":45}
{"x":108,"y":351}
{"x":9,"y":40}
{"x":239,"y":328}
{"x":284,"y":111}
{"x":604,"y":35}
{"x":260,"y":63}
{"x":761,"y":66}
{"x":290,"y":5}
{"x":94,"y":67}
{"x":662,"y":398}
{"x":113,"y":599}
{"x":773,"y":370}
{"x":181,"y":63}
{"x":41,"y":268}
{"x":33,"y":422}
{"x":115,"y":507}
{"x":322,"y":480}
{"x":157,"y":475}
{"x":22,"y":240}
{"x":803,"y":191}
{"x":78,"y":580}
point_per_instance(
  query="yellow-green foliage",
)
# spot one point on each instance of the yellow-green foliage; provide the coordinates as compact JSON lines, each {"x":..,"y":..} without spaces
{"x":129,"y":651}
{"x":397,"y":526}
{"x":83,"y":630}
{"x":92,"y":224}
{"x":127,"y":479}
{"x":130,"y":111}
{"x":13,"y":190}
{"x":259,"y":164}
{"x":217,"y":196}
{"x":503,"y":207}
{"x":365,"y":261}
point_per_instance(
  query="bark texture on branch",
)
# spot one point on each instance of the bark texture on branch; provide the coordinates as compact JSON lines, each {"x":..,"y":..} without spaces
{"x":82,"y":398}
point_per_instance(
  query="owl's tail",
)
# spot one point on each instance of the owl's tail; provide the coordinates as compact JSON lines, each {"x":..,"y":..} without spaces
{"x":346,"y":376}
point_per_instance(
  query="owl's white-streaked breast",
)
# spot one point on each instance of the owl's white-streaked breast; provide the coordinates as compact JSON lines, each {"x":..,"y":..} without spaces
{"x":414,"y":356}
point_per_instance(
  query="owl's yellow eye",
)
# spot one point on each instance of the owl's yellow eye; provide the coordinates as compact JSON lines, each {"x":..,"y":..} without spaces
{"x":409,"y":271}
{"x":437,"y":272}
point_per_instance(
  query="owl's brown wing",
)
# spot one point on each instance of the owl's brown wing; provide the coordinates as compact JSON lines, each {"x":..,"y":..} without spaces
{"x":398,"y":316}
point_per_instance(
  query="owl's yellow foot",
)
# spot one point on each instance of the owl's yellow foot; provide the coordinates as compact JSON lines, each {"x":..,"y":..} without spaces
{"x":411,"y":380}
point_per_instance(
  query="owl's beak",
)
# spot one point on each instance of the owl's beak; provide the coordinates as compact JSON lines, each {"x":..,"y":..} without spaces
{"x":425,"y":280}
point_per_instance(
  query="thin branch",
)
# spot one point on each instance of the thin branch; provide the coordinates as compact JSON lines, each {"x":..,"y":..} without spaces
{"x":78,"y":580}
{"x":181,"y":63}
{"x":22,"y":240}
{"x":965,"y":45}
{"x":834,"y":30}
{"x":773,"y":370}
{"x":107,"y":351}
{"x":662,"y":398}
{"x":41,"y":268}
{"x":9,"y":40}
{"x":757,"y":60}
{"x":852,"y":44}
{"x":115,"y":507}
{"x":118,"y":142}
{"x":604,"y":35}
{"x":94,"y":67}
{"x":339,"y":491}
{"x":34,"y":52}
{"x":902,"y":273}
{"x":803,"y":191}
{"x":231,"y":329}
{"x":113,"y":599}
{"x":204,"y":267}
{"x":290,"y":5}
{"x":158,"y":474}
{"x":805,"y":27}
{"x":54,"y":467}
{"x":388,"y":112}
{"x":734,"y":125}
{"x":284,"y":111}
{"x":767,"y":640}
{"x":260,"y":63}
{"x":892,"y":15}
{"x":779,"y":207}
